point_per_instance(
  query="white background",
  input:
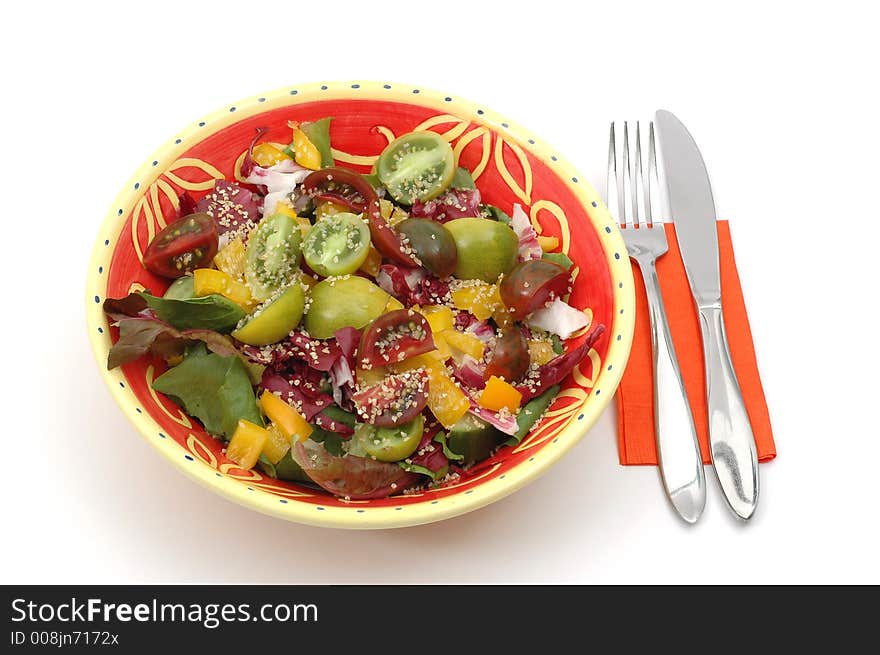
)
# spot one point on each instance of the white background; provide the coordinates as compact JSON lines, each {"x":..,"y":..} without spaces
{"x":782,"y":100}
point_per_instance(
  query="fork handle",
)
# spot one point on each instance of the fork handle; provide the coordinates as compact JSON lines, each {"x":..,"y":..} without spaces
{"x":730,"y":433}
{"x":678,"y":451}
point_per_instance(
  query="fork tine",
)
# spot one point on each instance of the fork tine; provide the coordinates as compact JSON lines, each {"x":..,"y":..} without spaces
{"x":653,"y":186}
{"x":612,"y":193}
{"x":640,"y":189}
{"x":628,"y":209}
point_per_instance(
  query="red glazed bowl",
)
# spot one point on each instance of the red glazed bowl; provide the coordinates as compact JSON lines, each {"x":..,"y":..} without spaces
{"x":510,"y":165}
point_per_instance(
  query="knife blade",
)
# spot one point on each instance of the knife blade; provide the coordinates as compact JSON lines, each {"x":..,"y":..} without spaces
{"x":692,"y":207}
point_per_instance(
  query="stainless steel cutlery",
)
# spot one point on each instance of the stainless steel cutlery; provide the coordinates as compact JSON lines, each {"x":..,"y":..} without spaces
{"x":634,"y":199}
{"x":692,"y":209}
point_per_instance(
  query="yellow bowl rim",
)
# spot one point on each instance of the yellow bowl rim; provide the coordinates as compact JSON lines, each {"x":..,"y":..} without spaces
{"x":373,"y":517}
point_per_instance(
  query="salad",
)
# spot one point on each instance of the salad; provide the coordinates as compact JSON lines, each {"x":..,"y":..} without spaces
{"x":368,"y":334}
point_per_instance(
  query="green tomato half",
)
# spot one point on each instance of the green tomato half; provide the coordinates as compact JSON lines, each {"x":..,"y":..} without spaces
{"x":274,"y":320}
{"x":486,"y":248}
{"x":343,"y":302}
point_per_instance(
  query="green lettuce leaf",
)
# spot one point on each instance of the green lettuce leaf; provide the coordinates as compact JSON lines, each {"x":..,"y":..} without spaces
{"x":214,"y":389}
{"x":440,"y":438}
{"x":213,"y":312}
{"x":559,"y":258}
{"x":462,"y":179}
{"x":530,"y":414}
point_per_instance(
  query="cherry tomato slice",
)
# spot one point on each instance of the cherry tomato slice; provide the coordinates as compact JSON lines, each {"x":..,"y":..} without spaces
{"x":432,"y":243}
{"x":394,"y":337}
{"x":186,"y":244}
{"x":531,"y":285}
{"x":348,"y":188}
{"x":510,"y":356}
{"x":397,"y":400}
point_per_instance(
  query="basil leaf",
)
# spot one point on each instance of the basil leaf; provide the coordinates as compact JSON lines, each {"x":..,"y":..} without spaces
{"x":440,"y":438}
{"x":319,"y":134}
{"x":530,"y":414}
{"x":331,"y":440}
{"x":212,"y":388}
{"x":336,"y":413}
{"x":559,"y":258}
{"x":415,"y":468}
{"x":558,"y":348}
{"x":462,"y":179}
{"x":213,"y":312}
{"x":491,"y":211}
{"x":287,"y":469}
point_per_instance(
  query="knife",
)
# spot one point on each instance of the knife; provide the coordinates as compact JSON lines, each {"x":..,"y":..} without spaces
{"x":734,"y":455}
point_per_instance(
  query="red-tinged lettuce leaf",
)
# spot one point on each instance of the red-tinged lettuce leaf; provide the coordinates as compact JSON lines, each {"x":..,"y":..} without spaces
{"x":455,"y":203}
{"x":248,"y":163}
{"x":529,"y":248}
{"x":140,"y":335}
{"x":429,"y":459}
{"x":412,"y":286}
{"x":505,"y":422}
{"x":358,"y":478}
{"x":234,"y":208}
{"x":555,"y":371}
{"x":187,"y":204}
{"x":300,"y":389}
{"x":317,"y":353}
{"x":470,"y":373}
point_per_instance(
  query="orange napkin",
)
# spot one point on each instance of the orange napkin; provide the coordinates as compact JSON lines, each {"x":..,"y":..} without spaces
{"x":635,"y":399}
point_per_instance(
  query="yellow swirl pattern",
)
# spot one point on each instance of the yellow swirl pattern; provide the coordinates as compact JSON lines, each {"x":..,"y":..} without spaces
{"x":284,"y":492}
{"x":189,"y":162}
{"x":558,"y":214}
{"x":134,"y":287}
{"x":487,"y":148}
{"x":200,"y":450}
{"x":181,"y":418}
{"x":523,"y":192}
{"x":451,"y":134}
{"x":251,"y":475}
{"x":171,"y":195}
{"x":596,"y":364}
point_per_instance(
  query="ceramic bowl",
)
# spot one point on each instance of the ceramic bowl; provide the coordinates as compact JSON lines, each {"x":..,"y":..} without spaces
{"x":510,"y":165}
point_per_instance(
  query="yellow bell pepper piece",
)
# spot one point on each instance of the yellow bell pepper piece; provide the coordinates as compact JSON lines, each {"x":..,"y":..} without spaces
{"x":466,"y":343}
{"x":305,"y":153}
{"x":372,"y":262}
{"x":540,"y":351}
{"x":329,"y":208}
{"x":441,"y":351}
{"x":393,"y":304}
{"x":304,"y":224}
{"x":548,"y":244}
{"x":391,"y":212}
{"x":446,"y":400}
{"x":231,"y":258}
{"x":246,"y":444}
{"x":440,"y":318}
{"x":277,"y":444}
{"x":289,"y":421}
{"x":268,"y":154}
{"x":481,"y":300}
{"x":209,"y":280}
{"x":499,"y":395}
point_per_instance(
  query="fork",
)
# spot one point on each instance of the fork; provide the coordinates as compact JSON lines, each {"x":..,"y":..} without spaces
{"x":678,"y":451}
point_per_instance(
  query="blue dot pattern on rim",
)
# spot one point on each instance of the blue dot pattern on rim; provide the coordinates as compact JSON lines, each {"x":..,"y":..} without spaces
{"x":617,"y":255}
{"x":415,"y":91}
{"x":106,"y":242}
{"x":155,"y":162}
{"x":189,"y":457}
{"x":97,"y":298}
{"x":177,"y":140}
{"x":355,"y":86}
{"x":202,"y":124}
{"x":574,"y":179}
{"x":231,"y":109}
{"x":100,"y":330}
{"x":480,"y":112}
{"x":596,"y":204}
{"x":448,"y":99}
{"x":581,"y":417}
{"x":386,"y":86}
{"x":261,"y":100}
{"x":282,"y":501}
{"x":608,"y":230}
{"x":137,"y":185}
{"x":100,"y":270}
{"x":324,"y":87}
{"x":319,"y":508}
{"x":293,"y":92}
{"x":504,"y":125}
{"x":161,"y":436}
{"x":554,"y":157}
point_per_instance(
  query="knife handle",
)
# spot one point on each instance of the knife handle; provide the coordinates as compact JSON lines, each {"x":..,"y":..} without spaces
{"x":678,"y":451}
{"x":734,"y":455}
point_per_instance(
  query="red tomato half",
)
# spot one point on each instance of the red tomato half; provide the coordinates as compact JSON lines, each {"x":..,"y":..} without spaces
{"x":396,"y":400}
{"x":348,"y":188}
{"x":510,"y":356}
{"x":186,"y":244}
{"x":394,"y":337}
{"x":531,"y":285}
